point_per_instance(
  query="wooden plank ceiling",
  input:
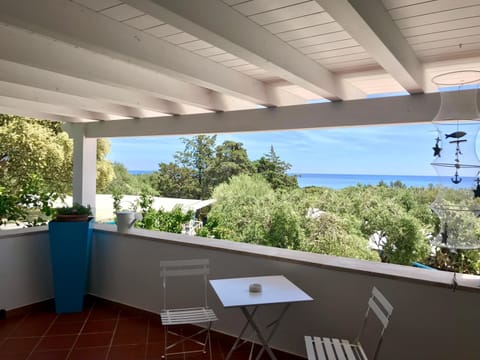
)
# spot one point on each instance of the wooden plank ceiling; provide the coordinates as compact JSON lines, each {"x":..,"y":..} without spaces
{"x":105,"y":60}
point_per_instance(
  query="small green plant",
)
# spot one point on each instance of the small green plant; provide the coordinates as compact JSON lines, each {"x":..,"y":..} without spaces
{"x":161,"y":220}
{"x":75,"y":209}
{"x":117,"y":199}
{"x":121,"y":205}
{"x":9,"y":207}
{"x":31,"y":206}
{"x":463,"y":261}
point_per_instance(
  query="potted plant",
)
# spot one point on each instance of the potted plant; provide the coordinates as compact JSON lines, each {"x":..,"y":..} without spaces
{"x":76,"y":212}
{"x":70,"y":237}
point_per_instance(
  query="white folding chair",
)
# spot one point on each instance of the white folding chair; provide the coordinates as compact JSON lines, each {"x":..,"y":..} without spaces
{"x":202,"y":314}
{"x":323,"y":348}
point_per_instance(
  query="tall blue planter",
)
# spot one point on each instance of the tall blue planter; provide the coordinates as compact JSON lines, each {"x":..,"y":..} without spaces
{"x":70,"y":248}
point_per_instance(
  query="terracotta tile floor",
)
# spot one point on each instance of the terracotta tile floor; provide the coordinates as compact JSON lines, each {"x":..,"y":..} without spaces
{"x":102,"y":331}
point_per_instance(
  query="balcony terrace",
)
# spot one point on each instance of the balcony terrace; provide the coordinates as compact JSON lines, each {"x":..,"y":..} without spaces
{"x":133,"y":68}
{"x":432,"y":318}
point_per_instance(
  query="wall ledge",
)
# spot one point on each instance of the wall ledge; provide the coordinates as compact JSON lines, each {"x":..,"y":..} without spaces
{"x":398,"y":272}
{"x":9,"y":233}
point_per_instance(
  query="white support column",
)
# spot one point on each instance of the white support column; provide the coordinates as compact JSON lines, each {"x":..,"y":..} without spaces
{"x":84,"y":165}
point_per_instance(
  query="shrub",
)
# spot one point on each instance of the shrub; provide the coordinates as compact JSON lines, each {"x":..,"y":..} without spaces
{"x":332,"y":235}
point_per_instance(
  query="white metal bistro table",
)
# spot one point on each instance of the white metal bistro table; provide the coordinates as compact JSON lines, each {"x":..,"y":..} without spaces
{"x":276,"y":289}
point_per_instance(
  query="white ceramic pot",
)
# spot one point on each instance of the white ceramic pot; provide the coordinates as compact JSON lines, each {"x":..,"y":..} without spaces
{"x":126,"y":219}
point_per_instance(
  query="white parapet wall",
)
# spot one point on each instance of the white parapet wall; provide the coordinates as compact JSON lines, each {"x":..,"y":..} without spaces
{"x":25,"y":270}
{"x":431,"y":320}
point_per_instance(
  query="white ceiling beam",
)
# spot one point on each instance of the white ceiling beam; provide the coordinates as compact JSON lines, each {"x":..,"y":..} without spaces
{"x":220,"y":25}
{"x":56,"y":98}
{"x":39,"y":115}
{"x":412,"y":109}
{"x":35,"y":106}
{"x":38,"y":51}
{"x":132,"y":100}
{"x":81,"y":27}
{"x":370,"y":24}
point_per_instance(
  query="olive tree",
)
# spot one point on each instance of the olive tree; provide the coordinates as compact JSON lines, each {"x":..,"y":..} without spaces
{"x":242,"y":209}
{"x":33,"y":147}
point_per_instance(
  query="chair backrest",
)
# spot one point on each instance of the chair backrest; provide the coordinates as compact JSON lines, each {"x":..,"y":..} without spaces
{"x":382,"y":309}
{"x":177,"y":268}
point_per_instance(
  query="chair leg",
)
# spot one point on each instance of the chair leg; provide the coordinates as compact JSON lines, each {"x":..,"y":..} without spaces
{"x":183,"y":338}
{"x":209,"y":339}
{"x":165,"y":337}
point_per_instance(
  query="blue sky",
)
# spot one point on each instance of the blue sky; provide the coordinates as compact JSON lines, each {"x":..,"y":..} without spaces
{"x":372,"y":150}
{"x":384,"y":150}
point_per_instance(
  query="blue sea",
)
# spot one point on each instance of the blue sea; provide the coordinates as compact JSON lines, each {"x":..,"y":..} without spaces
{"x":340,"y":181}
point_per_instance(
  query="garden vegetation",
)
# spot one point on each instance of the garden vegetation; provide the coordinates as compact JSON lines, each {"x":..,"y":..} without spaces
{"x":257,"y":201}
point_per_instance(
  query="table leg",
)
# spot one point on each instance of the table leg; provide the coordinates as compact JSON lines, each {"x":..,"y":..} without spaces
{"x":275,"y":324}
{"x":235,"y":344}
{"x":252,"y":323}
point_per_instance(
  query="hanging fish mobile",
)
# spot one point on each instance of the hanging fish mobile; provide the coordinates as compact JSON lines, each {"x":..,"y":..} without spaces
{"x":458,"y":136}
{"x":457,"y":140}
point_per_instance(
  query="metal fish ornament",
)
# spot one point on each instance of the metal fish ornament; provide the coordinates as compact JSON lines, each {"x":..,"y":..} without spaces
{"x":456,"y":135}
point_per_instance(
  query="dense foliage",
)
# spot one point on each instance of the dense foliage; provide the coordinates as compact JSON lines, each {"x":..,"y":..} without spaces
{"x":105,"y":172}
{"x":391,"y":223}
{"x":248,"y":209}
{"x":241,"y":212}
{"x":36,"y":167}
{"x":34,"y":148}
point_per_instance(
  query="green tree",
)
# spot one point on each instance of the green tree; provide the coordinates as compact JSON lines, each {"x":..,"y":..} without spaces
{"x":247,"y":209}
{"x":201,"y":166}
{"x":36,"y":167}
{"x":393,"y":213}
{"x":198,"y":156}
{"x":241,"y":211}
{"x":286,"y":222}
{"x":405,"y":240}
{"x":177,"y":182}
{"x":105,"y":172}
{"x":41,"y":148}
{"x":406,"y":243}
{"x":230,"y":159}
{"x":328,"y":233}
{"x":122,"y":182}
{"x":273,"y":169}
{"x":30,"y":147}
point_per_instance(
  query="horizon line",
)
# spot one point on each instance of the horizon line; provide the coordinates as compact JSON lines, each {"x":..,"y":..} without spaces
{"x":310,"y":173}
